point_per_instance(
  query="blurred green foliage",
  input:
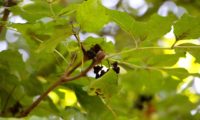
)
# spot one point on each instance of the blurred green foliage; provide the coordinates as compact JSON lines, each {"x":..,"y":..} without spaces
{"x":146,"y":69}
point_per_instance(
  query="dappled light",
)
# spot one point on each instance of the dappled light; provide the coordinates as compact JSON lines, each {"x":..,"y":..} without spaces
{"x":99,"y":60}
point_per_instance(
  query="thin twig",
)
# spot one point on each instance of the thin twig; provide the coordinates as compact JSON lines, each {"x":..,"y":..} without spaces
{"x":35,"y":103}
{"x":76,"y":35}
{"x":74,"y":68}
{"x":52,"y":11}
{"x":71,"y":62}
{"x":146,"y":48}
{"x":82,"y":74}
{"x":56,"y":51}
{"x":6,"y":13}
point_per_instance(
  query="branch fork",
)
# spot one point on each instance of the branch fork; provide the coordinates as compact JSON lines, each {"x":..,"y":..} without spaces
{"x":66,"y":78}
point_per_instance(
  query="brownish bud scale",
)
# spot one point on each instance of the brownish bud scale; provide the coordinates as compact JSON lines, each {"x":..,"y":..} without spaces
{"x":100,"y":56}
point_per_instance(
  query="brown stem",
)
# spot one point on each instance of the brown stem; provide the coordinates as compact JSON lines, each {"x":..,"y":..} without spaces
{"x":72,"y":70}
{"x":35,"y":103}
{"x":76,"y":35}
{"x":66,"y":77}
{"x":62,"y":80}
{"x":6,"y":13}
{"x":4,"y":18}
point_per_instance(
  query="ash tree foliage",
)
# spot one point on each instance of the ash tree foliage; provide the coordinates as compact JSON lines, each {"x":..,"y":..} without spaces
{"x":86,"y":60}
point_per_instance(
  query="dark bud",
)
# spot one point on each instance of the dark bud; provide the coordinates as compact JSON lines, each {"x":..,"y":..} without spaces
{"x":90,"y":54}
{"x":117,"y":70}
{"x":96,"y":48}
{"x":145,"y":98}
{"x":139,"y":106}
{"x":115,"y":64}
{"x":115,"y":67}
{"x":102,"y":73}
{"x":97,"y":69}
{"x":142,"y":99}
{"x":93,"y":52}
{"x":97,"y":76}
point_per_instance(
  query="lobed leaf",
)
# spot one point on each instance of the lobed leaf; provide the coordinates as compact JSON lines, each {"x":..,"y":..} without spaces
{"x":187,"y":27}
{"x":91,"y":15}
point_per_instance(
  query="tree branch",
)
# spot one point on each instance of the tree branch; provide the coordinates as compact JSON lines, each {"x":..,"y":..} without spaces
{"x":76,"y":35}
{"x":4,"y":18}
{"x":63,"y":79}
{"x":35,"y":103}
{"x":6,"y":13}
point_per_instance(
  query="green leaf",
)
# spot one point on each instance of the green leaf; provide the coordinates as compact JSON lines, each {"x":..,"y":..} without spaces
{"x":8,"y":78}
{"x":30,"y":84}
{"x":45,"y":108}
{"x":178,"y":72}
{"x":48,"y":34}
{"x":32,"y":32}
{"x":10,"y":91}
{"x":73,"y":113}
{"x":150,"y":57}
{"x":145,"y":70}
{"x":106,"y":46}
{"x":106,"y":85}
{"x":30,"y":11}
{"x":8,"y":83}
{"x":139,"y":31}
{"x":175,"y":106}
{"x":187,"y":27}
{"x":88,"y":102}
{"x":192,"y":49}
{"x":91,"y":15}
{"x":47,"y":63}
{"x":128,"y":24}
{"x":68,"y":10}
{"x":170,"y":85}
{"x":143,"y":81}
{"x":60,"y":33}
{"x":15,"y":66}
{"x":36,"y":10}
{"x":158,"y":26}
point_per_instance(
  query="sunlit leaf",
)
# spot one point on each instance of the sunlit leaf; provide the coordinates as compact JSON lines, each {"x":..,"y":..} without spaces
{"x":30,"y":11}
{"x":105,"y":86}
{"x":187,"y":27}
{"x":91,"y":15}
